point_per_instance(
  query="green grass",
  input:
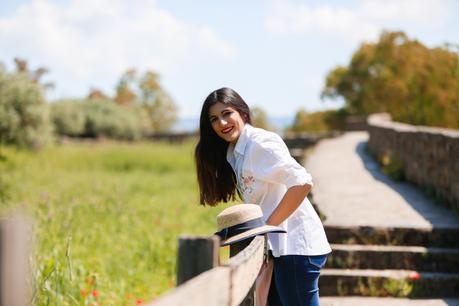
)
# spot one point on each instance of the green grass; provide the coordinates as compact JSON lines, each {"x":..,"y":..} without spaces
{"x":106,"y":217}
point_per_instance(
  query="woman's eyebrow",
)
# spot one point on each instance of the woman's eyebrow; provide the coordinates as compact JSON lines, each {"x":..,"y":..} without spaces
{"x":222,"y":111}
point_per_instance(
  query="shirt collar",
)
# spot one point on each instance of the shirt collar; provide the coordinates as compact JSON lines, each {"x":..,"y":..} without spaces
{"x":243,"y":139}
{"x":240,"y":145}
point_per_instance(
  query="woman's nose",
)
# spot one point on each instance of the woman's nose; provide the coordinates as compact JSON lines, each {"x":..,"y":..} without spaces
{"x":222,"y":121}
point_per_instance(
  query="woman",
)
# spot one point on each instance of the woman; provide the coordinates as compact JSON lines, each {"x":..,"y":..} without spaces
{"x":232,"y":156}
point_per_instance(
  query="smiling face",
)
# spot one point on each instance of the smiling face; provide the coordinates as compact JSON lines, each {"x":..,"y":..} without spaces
{"x":226,"y":121}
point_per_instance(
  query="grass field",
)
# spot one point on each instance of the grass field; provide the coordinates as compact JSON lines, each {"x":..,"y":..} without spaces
{"x":107,"y":217}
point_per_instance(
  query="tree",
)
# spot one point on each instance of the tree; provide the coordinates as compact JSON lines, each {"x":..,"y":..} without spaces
{"x":159,"y":105}
{"x":260,"y":118}
{"x":328,"y":120}
{"x":97,"y":94}
{"x":147,"y":92}
{"x":414,"y":83}
{"x":23,"y":111}
{"x":125,"y":95}
{"x":22,"y":67}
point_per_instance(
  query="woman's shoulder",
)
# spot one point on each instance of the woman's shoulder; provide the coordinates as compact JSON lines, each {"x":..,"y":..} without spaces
{"x":263,"y":137}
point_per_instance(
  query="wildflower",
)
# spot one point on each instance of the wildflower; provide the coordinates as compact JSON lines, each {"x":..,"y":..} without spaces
{"x":139,"y":301}
{"x":84,"y":292}
{"x":414,"y":276}
{"x":95,"y":293}
{"x":90,"y":280}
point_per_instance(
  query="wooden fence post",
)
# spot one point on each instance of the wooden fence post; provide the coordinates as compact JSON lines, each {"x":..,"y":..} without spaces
{"x":225,"y":285}
{"x":14,"y":262}
{"x":249,"y":300}
{"x":196,"y":255}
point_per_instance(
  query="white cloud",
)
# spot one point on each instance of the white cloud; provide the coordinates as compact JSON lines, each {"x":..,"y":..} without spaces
{"x":363,"y":22}
{"x":95,"y":41}
{"x":207,"y":38}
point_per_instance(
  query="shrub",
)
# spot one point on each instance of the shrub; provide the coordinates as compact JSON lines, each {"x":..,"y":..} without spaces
{"x":23,"y":112}
{"x":319,"y":121}
{"x":99,"y":118}
{"x":68,"y":118}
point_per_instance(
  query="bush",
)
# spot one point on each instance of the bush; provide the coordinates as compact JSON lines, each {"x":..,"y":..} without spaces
{"x":68,"y":118}
{"x":98,"y":118}
{"x":323,"y":121}
{"x":23,"y":112}
{"x":106,"y":119}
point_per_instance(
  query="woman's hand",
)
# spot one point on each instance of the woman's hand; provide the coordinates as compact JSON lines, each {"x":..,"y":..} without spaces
{"x":289,"y":203}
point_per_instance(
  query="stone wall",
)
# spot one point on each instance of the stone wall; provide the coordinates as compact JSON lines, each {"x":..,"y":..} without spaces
{"x":428,"y":157}
{"x":306,"y":140}
{"x":356,"y":123}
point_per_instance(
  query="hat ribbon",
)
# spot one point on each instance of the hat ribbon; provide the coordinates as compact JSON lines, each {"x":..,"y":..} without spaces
{"x":239,"y":228}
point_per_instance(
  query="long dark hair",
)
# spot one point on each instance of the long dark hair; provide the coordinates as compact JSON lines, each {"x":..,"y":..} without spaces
{"x":217,"y":181}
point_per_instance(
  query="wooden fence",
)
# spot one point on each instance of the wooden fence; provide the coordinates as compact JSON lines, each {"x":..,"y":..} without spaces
{"x":202,"y":281}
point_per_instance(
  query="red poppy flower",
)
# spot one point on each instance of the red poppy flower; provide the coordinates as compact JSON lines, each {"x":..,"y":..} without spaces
{"x":414,"y":276}
{"x":95,"y":293}
{"x":139,"y":301}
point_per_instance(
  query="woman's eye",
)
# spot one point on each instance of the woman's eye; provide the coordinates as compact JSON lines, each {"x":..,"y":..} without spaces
{"x":212,"y":120}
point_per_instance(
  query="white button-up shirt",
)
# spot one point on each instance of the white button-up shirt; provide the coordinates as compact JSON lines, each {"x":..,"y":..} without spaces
{"x":265,"y":170}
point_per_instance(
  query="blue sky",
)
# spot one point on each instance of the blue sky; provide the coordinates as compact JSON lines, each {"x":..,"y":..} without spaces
{"x":276,"y":53}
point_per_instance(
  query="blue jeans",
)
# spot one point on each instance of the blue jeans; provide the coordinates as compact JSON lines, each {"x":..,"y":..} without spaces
{"x":295,"y":280}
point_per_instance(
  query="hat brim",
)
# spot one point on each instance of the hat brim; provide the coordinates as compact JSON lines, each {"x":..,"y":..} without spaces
{"x":252,"y":233}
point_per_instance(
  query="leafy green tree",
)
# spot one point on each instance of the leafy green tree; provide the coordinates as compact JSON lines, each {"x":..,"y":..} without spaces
{"x":23,"y":112}
{"x":35,"y":76}
{"x":97,"y":94}
{"x":401,"y":76}
{"x":125,"y":94}
{"x":318,"y":121}
{"x":157,"y":102}
{"x":260,"y":118}
{"x":146,"y":90}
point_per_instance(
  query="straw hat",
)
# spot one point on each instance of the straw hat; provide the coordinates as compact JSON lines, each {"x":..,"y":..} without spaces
{"x":243,"y":221}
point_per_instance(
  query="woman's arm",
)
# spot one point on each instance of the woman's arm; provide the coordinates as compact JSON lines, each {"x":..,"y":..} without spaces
{"x":289,"y":203}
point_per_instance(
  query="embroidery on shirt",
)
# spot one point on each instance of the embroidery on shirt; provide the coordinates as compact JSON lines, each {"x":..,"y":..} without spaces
{"x":246,"y":184}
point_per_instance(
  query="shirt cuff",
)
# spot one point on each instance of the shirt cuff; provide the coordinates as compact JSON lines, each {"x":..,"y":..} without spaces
{"x":298,"y":177}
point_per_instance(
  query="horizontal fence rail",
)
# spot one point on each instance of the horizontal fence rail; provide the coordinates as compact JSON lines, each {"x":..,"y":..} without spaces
{"x":230,"y":284}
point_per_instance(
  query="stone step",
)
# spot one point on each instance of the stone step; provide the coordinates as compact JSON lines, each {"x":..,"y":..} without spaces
{"x":394,"y":283}
{"x":437,"y":237}
{"x":386,"y":301}
{"x":348,"y":256}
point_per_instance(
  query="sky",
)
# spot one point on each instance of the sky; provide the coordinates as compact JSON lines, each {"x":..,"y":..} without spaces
{"x":276,"y":54}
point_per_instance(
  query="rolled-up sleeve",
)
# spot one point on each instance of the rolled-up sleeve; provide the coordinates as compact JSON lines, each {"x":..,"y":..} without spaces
{"x":272,"y":162}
